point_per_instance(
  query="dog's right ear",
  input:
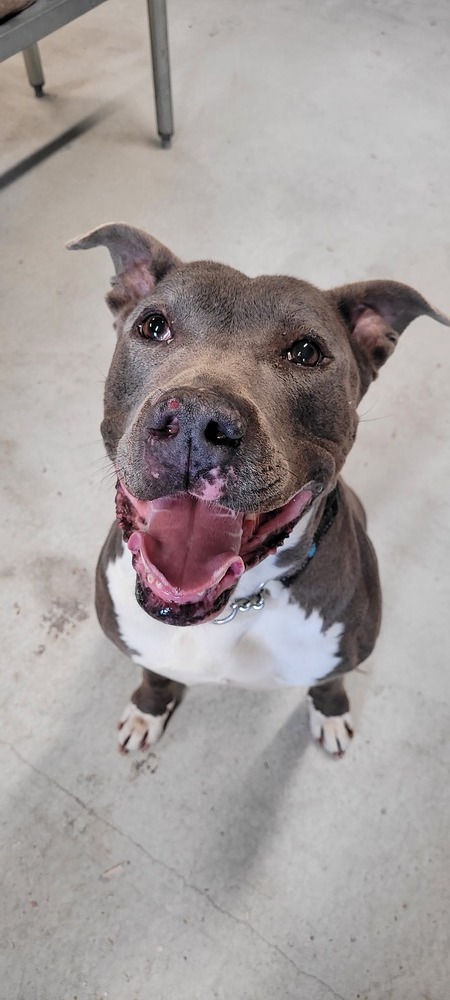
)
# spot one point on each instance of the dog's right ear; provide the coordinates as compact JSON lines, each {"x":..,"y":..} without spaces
{"x":139,"y":260}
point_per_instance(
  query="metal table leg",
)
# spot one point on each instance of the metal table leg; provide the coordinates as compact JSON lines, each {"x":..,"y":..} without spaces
{"x":34,"y":69}
{"x":157,"y":15}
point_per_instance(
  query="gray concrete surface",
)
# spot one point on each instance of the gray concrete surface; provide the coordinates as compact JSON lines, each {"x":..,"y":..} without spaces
{"x":236,"y":862}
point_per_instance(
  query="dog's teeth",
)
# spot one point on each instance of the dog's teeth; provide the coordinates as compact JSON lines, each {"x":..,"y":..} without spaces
{"x":200,"y":594}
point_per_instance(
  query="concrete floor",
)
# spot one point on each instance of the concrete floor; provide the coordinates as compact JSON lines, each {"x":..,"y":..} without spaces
{"x":237,"y":862}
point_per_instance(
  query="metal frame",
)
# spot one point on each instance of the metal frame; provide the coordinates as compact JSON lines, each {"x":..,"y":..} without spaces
{"x":159,"y":45}
{"x":34,"y":69}
{"x":22,"y":32}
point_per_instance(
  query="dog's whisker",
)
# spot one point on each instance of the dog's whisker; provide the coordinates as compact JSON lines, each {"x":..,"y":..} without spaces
{"x":371,"y":420}
{"x":109,"y":475}
{"x":369,"y":409}
{"x":96,"y":442}
{"x":97,"y":464}
{"x":99,"y":371}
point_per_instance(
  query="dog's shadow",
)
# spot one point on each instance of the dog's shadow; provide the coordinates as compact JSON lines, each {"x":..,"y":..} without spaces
{"x":251,"y":804}
{"x":249,"y":807}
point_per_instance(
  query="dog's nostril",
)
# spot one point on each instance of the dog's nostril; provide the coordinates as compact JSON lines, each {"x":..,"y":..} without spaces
{"x":169,"y":428}
{"x":217,"y":434}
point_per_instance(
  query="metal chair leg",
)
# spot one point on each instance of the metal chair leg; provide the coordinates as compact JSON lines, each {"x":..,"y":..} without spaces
{"x":157,"y":15}
{"x":34,"y":69}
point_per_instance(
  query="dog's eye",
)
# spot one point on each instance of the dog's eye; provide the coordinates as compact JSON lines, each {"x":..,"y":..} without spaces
{"x":305,"y":352}
{"x":155,"y":327}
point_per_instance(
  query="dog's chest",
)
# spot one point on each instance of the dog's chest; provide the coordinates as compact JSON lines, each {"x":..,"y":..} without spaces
{"x":279,"y":646}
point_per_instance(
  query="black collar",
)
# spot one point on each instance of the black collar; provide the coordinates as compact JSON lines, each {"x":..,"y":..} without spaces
{"x":330,"y":510}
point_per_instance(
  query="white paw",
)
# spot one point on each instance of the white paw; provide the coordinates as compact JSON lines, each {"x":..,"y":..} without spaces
{"x":139,"y":730}
{"x":332,"y":732}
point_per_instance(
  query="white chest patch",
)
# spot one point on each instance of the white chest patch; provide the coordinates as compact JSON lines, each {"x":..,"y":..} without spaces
{"x":279,"y":646}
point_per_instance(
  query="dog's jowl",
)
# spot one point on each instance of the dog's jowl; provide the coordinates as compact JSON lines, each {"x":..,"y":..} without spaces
{"x":238,"y":554}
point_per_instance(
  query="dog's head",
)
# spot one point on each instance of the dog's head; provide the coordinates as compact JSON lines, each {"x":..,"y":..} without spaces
{"x":230,"y":405}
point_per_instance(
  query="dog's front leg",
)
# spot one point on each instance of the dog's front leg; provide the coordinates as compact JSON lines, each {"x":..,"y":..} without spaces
{"x":146,"y":716}
{"x":329,"y":716}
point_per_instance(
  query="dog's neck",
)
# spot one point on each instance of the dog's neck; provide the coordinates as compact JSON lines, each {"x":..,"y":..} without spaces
{"x":296,"y":552}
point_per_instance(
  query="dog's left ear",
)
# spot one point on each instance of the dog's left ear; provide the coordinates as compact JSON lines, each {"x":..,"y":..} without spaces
{"x":139,"y":260}
{"x":375,"y":314}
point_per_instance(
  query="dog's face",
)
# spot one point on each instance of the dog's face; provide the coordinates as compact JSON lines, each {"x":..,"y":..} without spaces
{"x":230,"y":405}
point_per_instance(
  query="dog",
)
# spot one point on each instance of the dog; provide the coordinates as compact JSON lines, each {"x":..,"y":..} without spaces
{"x":238,"y":554}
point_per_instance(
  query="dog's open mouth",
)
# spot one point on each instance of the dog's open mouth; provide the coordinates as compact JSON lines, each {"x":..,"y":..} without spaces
{"x":189,"y":554}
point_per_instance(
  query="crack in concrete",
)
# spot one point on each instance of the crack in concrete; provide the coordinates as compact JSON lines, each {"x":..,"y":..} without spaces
{"x":270,"y":944}
{"x":173,"y":871}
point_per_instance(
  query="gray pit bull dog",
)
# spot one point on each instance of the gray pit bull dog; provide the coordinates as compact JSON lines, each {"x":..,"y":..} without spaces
{"x":238,"y":555}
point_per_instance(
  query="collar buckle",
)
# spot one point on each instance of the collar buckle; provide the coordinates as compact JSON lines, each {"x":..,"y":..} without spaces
{"x":254,"y":602}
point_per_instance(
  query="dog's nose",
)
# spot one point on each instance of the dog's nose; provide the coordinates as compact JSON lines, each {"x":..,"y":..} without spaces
{"x":205,"y":420}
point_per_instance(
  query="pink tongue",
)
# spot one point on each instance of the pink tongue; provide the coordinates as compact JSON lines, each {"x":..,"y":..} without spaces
{"x":188,"y":544}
